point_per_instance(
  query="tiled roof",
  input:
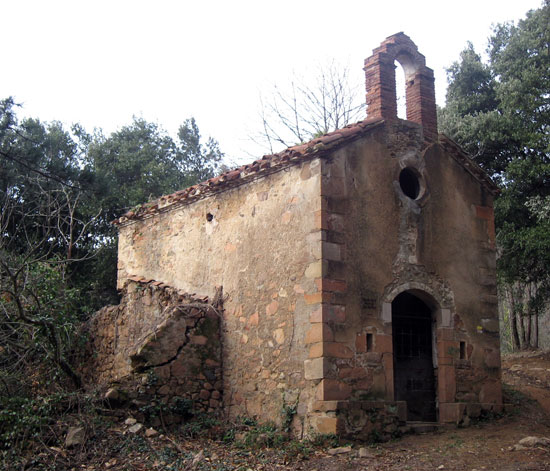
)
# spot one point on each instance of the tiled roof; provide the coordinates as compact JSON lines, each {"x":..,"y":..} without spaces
{"x":187,"y":297}
{"x":267,"y":164}
{"x":291,"y":156}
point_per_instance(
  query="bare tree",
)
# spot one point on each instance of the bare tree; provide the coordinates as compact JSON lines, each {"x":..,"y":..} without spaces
{"x":301,"y":111}
{"x":37,"y":245}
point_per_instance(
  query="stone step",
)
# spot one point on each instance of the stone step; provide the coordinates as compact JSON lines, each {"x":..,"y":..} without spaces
{"x":423,"y":427}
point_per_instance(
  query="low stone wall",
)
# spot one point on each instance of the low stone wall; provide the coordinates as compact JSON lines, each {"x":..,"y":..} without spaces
{"x":360,"y":420}
{"x":157,"y":344}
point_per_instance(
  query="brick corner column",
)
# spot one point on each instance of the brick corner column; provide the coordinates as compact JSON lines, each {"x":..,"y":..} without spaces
{"x":421,"y":106}
{"x":380,"y":84}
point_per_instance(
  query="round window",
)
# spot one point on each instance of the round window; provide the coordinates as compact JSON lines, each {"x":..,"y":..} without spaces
{"x":410,"y":183}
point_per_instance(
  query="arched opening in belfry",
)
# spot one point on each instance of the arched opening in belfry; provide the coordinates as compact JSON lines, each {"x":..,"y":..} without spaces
{"x":380,"y":76}
{"x":400,"y":91}
{"x":406,"y":68}
{"x":413,"y":355}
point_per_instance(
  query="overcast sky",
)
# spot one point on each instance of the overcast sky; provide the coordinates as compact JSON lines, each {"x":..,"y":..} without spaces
{"x":101,"y":62}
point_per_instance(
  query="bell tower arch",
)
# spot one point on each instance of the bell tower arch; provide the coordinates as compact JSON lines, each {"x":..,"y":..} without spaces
{"x":419,"y":82}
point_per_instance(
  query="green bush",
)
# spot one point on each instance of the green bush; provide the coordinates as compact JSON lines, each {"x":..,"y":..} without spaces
{"x":24,"y":419}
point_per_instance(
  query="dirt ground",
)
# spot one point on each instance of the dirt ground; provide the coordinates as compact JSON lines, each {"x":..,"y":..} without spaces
{"x":486,"y":445}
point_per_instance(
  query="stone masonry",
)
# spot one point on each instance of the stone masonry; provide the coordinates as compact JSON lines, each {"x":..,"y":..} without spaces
{"x":358,"y":272}
{"x":158,"y":344}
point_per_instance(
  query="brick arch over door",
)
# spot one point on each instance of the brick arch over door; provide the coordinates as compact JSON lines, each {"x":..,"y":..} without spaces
{"x":419,"y":79}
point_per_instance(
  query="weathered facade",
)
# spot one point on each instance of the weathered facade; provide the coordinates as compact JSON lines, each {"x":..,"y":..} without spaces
{"x":358,"y":269}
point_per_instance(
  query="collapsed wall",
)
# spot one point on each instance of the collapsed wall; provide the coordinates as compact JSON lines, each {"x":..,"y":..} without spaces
{"x":158,"y":343}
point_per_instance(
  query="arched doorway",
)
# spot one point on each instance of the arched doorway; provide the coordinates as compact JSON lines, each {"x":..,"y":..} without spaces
{"x":414,"y":378}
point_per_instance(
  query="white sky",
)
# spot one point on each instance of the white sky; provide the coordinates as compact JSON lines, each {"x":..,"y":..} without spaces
{"x":101,"y":62}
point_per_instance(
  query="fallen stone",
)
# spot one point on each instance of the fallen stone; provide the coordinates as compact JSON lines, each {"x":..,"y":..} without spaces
{"x":197,"y":459}
{"x":517,"y":447}
{"x":135,"y":428}
{"x":151,"y":432}
{"x":339,"y":451}
{"x":364,"y":453}
{"x":534,"y":441}
{"x":75,"y":436}
{"x":138,"y":403}
{"x":130,"y":421}
{"x":112,"y":394}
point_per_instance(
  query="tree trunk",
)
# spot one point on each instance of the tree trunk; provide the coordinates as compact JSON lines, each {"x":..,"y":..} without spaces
{"x":523,"y":337}
{"x":513,"y":320}
{"x":519,"y":310}
{"x":529,"y":329}
{"x":515,"y":334}
{"x":537,"y":329}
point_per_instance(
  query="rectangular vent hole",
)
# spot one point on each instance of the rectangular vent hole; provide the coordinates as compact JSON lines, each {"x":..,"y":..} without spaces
{"x":369,"y":342}
{"x":462,"y":350}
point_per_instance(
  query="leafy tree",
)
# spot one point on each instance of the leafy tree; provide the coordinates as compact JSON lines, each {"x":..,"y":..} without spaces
{"x":520,"y":57}
{"x":141,"y":161}
{"x":500,"y":112}
{"x":472,"y":115}
{"x":131,"y":166}
{"x":59,"y":191}
{"x":36,"y":160}
{"x":197,"y":161}
{"x":42,"y":236}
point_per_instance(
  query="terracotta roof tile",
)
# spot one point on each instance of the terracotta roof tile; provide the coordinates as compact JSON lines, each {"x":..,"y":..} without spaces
{"x":189,"y":297}
{"x":270,"y":163}
{"x":241,"y":175}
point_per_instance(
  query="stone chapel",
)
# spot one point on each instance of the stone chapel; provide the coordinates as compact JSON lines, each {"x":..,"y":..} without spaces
{"x":358,"y":277}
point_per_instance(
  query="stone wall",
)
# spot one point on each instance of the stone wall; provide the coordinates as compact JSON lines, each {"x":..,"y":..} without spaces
{"x":262,"y":243}
{"x":158,"y":343}
{"x":311,"y":257}
{"x":360,"y":419}
{"x":439,"y":245}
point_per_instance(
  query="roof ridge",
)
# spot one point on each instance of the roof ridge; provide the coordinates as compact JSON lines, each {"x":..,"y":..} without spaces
{"x":240,"y":175}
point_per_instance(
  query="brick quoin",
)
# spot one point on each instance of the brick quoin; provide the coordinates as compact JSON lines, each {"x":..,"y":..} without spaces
{"x":380,"y":83}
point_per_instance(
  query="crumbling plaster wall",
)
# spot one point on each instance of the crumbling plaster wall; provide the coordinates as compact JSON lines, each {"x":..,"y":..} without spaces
{"x":262,"y":244}
{"x":441,"y":244}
